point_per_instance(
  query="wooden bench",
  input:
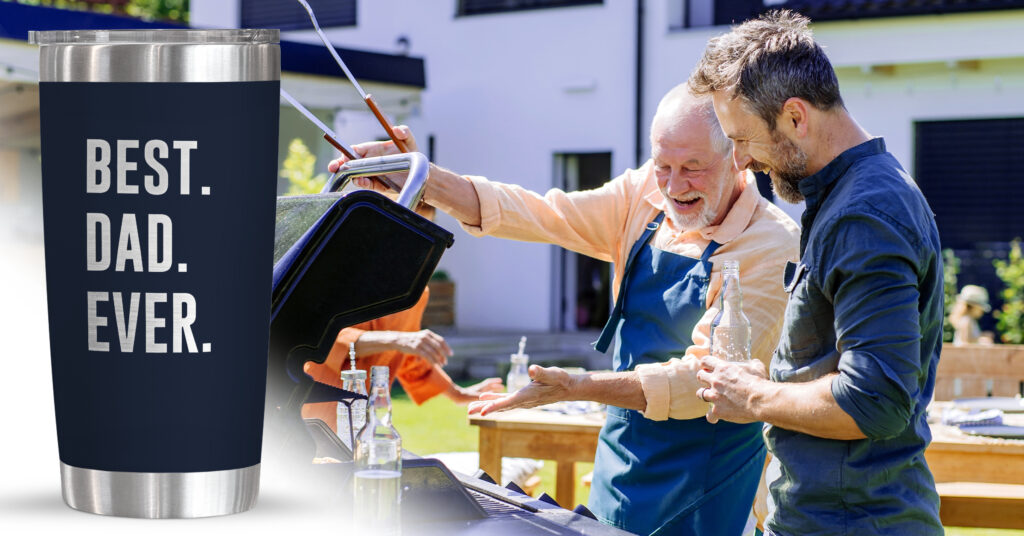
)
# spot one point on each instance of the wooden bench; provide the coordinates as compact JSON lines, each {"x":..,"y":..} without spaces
{"x":981,"y":504}
{"x":980,"y":480}
{"x":979,"y":370}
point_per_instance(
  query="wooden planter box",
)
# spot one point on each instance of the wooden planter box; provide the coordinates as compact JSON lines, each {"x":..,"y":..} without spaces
{"x":979,"y":370}
{"x":441,"y":307}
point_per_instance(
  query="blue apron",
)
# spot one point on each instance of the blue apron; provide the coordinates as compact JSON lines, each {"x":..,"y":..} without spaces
{"x":668,"y":477}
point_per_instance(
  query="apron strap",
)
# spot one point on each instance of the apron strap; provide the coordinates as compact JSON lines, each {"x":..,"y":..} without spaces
{"x":602,"y":342}
{"x":709,"y":251}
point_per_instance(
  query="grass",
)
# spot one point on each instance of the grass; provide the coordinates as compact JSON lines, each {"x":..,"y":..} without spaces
{"x":441,"y":426}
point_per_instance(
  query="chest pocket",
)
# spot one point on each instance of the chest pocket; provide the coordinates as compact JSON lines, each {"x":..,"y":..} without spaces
{"x":807,"y":325}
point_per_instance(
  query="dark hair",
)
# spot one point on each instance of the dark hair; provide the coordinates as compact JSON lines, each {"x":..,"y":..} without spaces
{"x":766,"y":61}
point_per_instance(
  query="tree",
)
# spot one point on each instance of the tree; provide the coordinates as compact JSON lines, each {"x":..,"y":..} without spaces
{"x":163,"y":10}
{"x":1011,"y":316}
{"x":298,"y":169}
{"x":950,"y":270}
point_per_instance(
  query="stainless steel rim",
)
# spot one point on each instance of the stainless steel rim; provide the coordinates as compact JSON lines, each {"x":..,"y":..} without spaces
{"x":159,"y":55}
{"x":160,"y":495}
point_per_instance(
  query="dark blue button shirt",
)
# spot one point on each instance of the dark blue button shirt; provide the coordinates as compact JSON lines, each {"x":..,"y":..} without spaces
{"x":866,"y":303}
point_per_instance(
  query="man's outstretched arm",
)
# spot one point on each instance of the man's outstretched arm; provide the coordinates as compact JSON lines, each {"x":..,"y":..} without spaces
{"x":553,"y":384}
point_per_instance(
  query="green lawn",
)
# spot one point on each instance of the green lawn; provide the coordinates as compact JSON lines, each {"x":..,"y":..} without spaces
{"x":441,"y":426}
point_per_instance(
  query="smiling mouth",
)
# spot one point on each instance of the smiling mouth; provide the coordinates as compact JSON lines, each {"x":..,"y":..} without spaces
{"x":686,"y":203}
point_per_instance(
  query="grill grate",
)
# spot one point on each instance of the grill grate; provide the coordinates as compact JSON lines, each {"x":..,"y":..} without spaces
{"x":494,"y":507}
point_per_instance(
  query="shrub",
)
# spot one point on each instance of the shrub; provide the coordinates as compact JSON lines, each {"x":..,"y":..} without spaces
{"x":1011,"y":316}
{"x":298,"y":169}
{"x":950,"y":269}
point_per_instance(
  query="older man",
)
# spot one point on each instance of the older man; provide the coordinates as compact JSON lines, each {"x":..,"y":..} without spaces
{"x":855,"y":369}
{"x":667,"y":227}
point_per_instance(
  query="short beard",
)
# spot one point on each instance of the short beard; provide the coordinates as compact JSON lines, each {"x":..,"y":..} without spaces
{"x":695,"y":221}
{"x":792,"y":162}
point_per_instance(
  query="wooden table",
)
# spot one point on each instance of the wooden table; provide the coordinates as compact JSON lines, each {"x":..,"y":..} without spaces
{"x":535,"y":433}
{"x":980,"y":479}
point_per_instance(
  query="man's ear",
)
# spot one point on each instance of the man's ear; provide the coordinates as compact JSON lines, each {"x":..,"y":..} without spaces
{"x":794,"y":117}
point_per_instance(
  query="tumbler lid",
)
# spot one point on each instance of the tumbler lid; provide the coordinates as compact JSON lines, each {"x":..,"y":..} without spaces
{"x":257,"y":36}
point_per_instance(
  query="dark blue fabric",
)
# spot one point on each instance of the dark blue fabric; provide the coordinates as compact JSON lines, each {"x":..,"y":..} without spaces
{"x":866,"y":302}
{"x":674,"y":476}
{"x":130,"y":408}
{"x":611,"y":326}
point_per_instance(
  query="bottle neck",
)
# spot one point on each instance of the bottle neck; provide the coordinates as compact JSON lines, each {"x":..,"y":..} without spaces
{"x":732,"y":296}
{"x":379,"y":404}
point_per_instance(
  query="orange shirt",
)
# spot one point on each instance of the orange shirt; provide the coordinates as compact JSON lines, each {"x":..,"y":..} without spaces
{"x":420,"y":378}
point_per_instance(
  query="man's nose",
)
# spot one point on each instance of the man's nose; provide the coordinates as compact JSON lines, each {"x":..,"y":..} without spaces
{"x":741,"y":157}
{"x":677,"y":183}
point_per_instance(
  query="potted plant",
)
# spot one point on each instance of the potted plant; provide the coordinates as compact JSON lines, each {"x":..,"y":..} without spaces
{"x":441,"y":307}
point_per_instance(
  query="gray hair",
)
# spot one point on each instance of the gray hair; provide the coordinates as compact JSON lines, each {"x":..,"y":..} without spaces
{"x":766,"y":61}
{"x":681,"y":96}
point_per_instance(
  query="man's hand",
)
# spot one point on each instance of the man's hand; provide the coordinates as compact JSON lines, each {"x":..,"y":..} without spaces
{"x":424,"y":343}
{"x":378,"y":148}
{"x":729,"y":387}
{"x":465,"y":395}
{"x":549,"y":385}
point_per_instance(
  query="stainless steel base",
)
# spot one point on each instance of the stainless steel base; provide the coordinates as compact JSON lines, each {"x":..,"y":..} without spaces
{"x":160,"y":495}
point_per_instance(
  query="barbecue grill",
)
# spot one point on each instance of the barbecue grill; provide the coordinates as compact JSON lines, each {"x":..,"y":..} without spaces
{"x":344,"y":259}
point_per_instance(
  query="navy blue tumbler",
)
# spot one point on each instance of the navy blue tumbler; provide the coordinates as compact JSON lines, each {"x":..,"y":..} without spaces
{"x":159,"y":163}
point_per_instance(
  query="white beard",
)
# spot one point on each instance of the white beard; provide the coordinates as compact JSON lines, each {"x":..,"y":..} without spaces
{"x":691,"y":222}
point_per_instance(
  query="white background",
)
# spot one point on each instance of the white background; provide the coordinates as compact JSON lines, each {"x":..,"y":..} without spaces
{"x":30,"y":500}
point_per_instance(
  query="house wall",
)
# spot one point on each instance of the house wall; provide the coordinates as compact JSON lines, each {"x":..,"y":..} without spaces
{"x":507,"y":91}
{"x":897,"y":70}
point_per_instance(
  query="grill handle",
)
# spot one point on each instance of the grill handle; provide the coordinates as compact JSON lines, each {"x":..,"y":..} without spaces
{"x":409,"y":194}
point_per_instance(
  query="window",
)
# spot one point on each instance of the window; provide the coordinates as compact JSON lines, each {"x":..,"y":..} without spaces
{"x":289,"y":15}
{"x":482,"y":7}
{"x":582,"y":284}
{"x":970,"y":172}
{"x":702,"y":13}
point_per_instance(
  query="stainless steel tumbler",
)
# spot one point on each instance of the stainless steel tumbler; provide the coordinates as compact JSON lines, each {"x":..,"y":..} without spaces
{"x":159,"y":153}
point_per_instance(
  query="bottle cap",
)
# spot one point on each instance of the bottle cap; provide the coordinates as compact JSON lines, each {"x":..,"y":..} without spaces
{"x":379,"y":375}
{"x":354,"y":375}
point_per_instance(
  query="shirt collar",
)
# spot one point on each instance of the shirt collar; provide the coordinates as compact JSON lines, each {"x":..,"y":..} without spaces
{"x":816,"y":186}
{"x":735,"y":221}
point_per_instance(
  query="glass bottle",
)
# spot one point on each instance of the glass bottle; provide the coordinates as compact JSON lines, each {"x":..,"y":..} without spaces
{"x":353,"y":381}
{"x":730,"y":330}
{"x":378,"y":463}
{"x":518,"y":374}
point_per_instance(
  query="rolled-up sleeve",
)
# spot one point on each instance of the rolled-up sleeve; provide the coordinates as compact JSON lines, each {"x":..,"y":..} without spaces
{"x":589,"y":222}
{"x":871,"y":280}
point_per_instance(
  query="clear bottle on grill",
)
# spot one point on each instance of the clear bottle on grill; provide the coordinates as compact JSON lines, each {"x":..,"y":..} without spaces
{"x":353,"y":381}
{"x":730,"y":330}
{"x":378,"y":463}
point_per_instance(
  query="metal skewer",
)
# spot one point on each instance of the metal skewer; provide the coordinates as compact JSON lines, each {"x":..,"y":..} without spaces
{"x":367,"y":98}
{"x":329,"y":134}
{"x":332,"y":138}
